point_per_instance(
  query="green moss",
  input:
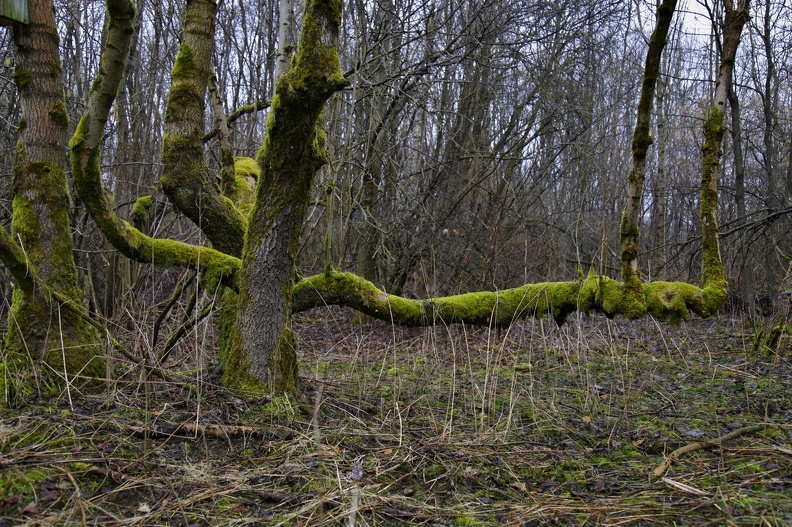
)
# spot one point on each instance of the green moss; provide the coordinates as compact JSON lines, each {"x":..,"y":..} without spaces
{"x":247,"y":167}
{"x":233,"y":360}
{"x":140,"y":211}
{"x":22,"y":78}
{"x":24,"y":482}
{"x":713,"y":126}
{"x":25,"y":219}
{"x":59,"y":113}
{"x":281,"y":406}
{"x":284,"y":366}
{"x":642,"y":139}
{"x":184,"y":67}
{"x":668,"y":301}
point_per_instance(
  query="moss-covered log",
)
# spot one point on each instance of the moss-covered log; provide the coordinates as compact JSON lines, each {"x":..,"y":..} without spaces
{"x":671,"y":302}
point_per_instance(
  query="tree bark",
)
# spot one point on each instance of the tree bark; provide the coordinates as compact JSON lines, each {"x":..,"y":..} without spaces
{"x":185,"y":176}
{"x":86,"y":151}
{"x":746,"y":274}
{"x":38,"y":328}
{"x":292,"y":152}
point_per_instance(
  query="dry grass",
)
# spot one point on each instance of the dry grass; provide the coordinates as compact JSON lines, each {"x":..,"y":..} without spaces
{"x":533,"y":425}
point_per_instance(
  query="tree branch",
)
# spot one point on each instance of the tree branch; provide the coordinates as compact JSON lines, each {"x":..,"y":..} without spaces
{"x":670,"y":302}
{"x":679,"y":452}
{"x":86,"y":146}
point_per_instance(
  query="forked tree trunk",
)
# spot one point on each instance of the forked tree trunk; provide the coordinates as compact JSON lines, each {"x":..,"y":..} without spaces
{"x":61,"y":344}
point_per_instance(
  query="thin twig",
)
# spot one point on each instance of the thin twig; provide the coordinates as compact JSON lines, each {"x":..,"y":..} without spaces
{"x":679,"y":452}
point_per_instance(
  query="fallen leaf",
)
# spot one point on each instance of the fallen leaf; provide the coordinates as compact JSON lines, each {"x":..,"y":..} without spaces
{"x":519,"y":485}
{"x":144,"y":508}
{"x":50,"y":495}
{"x":10,"y":500}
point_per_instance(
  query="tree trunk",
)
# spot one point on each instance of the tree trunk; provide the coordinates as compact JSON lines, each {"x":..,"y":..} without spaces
{"x":185,"y":177}
{"x":746,"y":273}
{"x":39,"y":329}
{"x":631,"y":275}
{"x":661,"y":185}
{"x":292,"y":152}
{"x":713,"y":275}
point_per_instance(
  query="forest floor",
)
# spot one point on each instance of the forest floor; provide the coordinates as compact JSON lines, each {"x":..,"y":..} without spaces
{"x":448,"y":426}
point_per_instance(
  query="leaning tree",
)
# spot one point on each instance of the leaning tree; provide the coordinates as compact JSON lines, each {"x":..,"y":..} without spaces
{"x":254,"y":233}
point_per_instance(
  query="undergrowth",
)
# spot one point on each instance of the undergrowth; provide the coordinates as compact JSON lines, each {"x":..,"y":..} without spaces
{"x":534,"y":425}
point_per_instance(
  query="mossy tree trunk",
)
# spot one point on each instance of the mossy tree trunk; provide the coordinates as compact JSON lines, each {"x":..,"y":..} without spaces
{"x":713,"y":275}
{"x":60,"y":344}
{"x":642,"y":140}
{"x":292,"y":152}
{"x":86,"y":153}
{"x":186,"y":179}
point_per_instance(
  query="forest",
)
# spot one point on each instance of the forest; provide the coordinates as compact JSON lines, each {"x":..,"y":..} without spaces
{"x":395,"y":262}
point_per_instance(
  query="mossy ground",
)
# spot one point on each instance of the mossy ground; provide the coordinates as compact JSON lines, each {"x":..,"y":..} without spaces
{"x":533,"y":425}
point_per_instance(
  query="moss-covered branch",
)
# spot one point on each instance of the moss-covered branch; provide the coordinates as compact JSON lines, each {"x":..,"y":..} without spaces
{"x":186,"y":179}
{"x":236,"y":114}
{"x":86,"y":167}
{"x":16,"y":262}
{"x":671,"y":302}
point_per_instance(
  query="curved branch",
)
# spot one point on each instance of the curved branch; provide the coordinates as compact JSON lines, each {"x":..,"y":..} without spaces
{"x":15,"y":260}
{"x":692,"y":447}
{"x":236,"y":114}
{"x":670,"y":302}
{"x":86,"y":146}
